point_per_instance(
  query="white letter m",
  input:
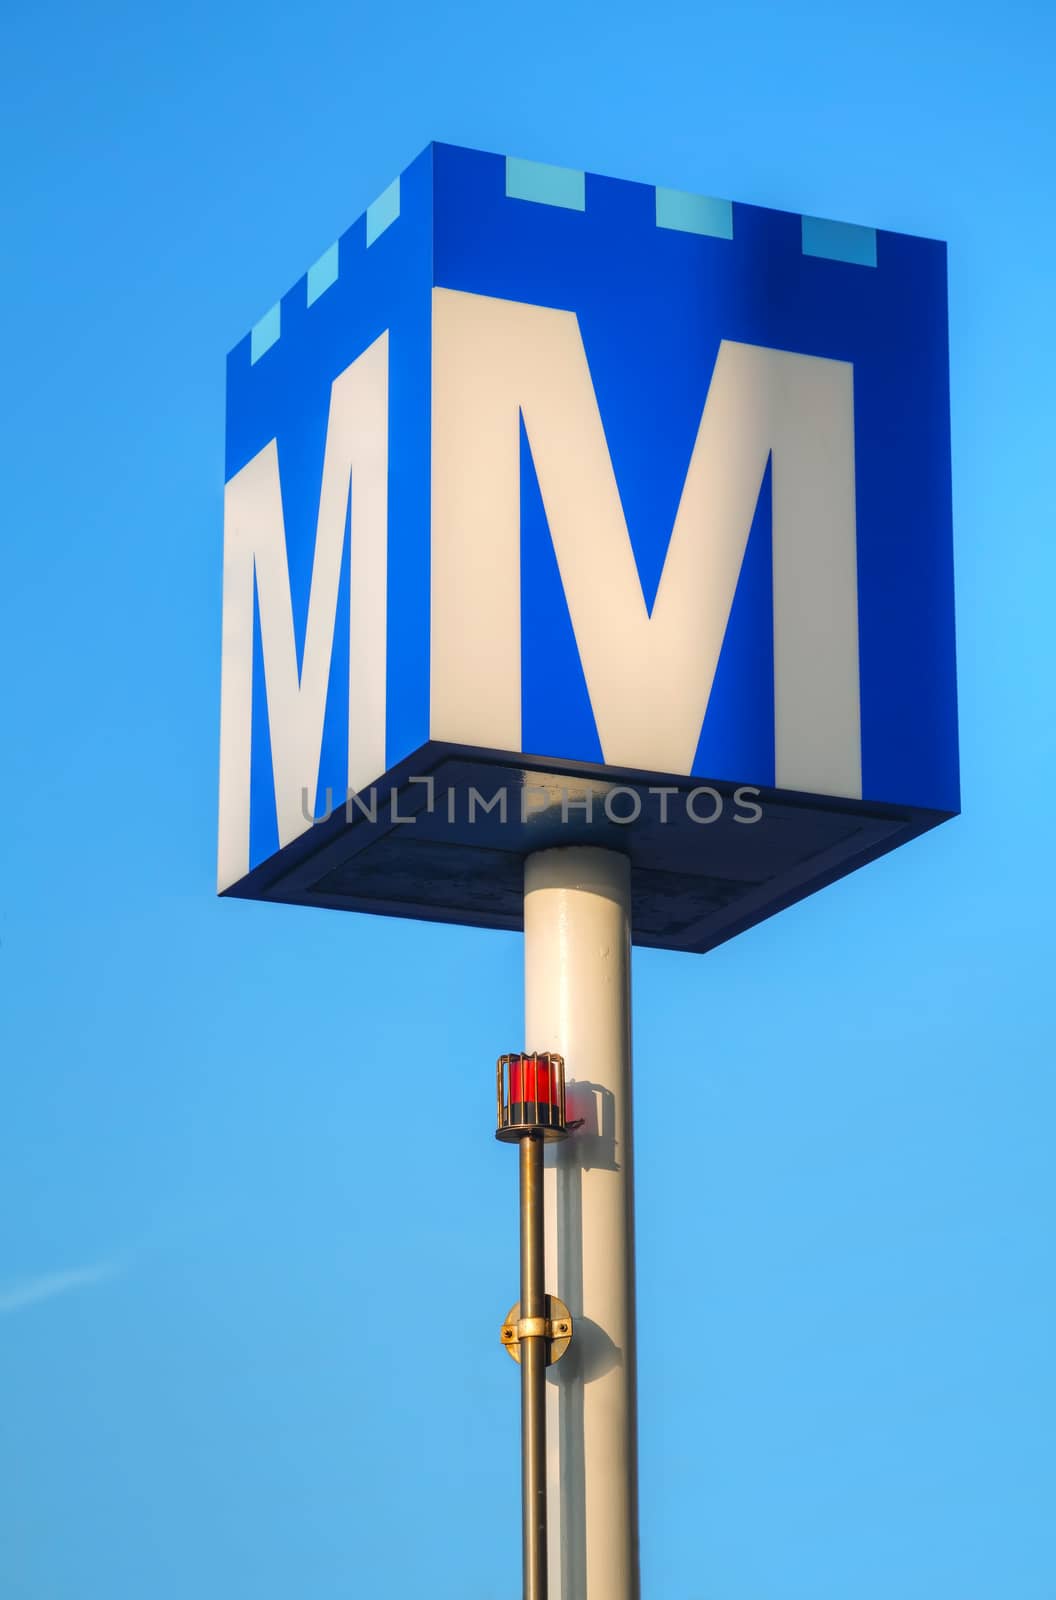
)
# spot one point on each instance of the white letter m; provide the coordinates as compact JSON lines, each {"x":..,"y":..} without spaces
{"x":355,"y":467}
{"x":649,"y":674}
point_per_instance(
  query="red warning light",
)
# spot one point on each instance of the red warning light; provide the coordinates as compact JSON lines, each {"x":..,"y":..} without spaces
{"x":530,"y":1096}
{"x":531,"y":1079}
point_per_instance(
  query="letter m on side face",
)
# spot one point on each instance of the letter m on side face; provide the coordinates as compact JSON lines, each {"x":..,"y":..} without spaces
{"x":649,"y":674}
{"x":257,"y":585}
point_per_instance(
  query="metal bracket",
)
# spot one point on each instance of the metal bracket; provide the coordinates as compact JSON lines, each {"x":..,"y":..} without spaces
{"x":555,"y":1328}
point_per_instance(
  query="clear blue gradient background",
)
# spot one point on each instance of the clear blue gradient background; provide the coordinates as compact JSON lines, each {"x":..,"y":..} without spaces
{"x":845,"y":1197}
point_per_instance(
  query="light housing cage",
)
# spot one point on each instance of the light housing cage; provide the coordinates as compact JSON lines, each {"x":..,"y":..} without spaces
{"x":530,"y":1096}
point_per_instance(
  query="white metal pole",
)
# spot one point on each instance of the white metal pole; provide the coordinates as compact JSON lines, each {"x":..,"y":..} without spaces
{"x":577,"y":944}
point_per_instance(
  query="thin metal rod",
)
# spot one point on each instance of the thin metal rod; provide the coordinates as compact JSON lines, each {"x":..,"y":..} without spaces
{"x":533,"y":1372}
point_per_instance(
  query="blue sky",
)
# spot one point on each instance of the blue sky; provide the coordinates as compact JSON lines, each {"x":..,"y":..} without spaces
{"x":221,"y":1246}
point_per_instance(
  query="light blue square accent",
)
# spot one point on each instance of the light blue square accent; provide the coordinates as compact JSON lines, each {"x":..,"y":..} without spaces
{"x":694,"y":213}
{"x":549,"y":186}
{"x":839,"y":241}
{"x":322,"y":273}
{"x":383,"y":212}
{"x":264,"y":335}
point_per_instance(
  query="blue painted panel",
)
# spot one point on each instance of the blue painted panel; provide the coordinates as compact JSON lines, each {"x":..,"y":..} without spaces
{"x":556,"y":713}
{"x":263,"y":822}
{"x":653,"y":304}
{"x":286,"y":397}
{"x":738,"y":731}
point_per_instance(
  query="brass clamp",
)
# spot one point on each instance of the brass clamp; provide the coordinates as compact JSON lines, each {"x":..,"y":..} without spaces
{"x":555,"y":1328}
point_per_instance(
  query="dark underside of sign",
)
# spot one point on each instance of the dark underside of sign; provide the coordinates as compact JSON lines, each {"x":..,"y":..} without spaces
{"x":443,"y":838}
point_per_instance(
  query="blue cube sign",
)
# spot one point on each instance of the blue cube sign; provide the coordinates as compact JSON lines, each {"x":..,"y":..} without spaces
{"x":562,"y":508}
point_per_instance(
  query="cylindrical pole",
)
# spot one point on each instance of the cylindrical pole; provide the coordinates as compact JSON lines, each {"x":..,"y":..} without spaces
{"x":533,"y":1372}
{"x":577,"y":925}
